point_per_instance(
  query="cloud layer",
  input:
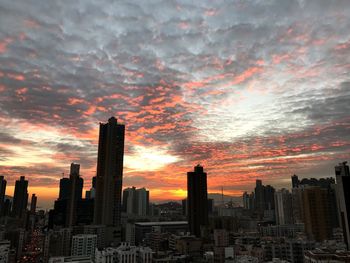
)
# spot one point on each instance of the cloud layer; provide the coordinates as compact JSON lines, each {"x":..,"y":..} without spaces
{"x":250,"y":89}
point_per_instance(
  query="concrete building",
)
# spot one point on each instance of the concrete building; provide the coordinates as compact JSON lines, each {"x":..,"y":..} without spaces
{"x":136,"y":201}
{"x":283,"y":207}
{"x":84,"y":245}
{"x":109,"y":176}
{"x":316,"y":212}
{"x":72,"y":259}
{"x":76,"y":184}
{"x":99,"y":231}
{"x":197,"y":196}
{"x":5,"y":246}
{"x":57,"y":243}
{"x":125,"y":253}
{"x":20,"y":198}
{"x":3,"y":183}
{"x":342,"y":174}
{"x":173,"y":227}
{"x":326,"y":256}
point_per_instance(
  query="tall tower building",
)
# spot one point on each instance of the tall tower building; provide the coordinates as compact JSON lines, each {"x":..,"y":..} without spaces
{"x":33,"y":203}
{"x":316,"y":212}
{"x":295,"y":181}
{"x":2,"y":195}
{"x":64,"y":189}
{"x":109,"y":173}
{"x":283,"y":207}
{"x":259,"y":196}
{"x":342,"y":174}
{"x":197,"y":200}
{"x":20,"y":198}
{"x":136,"y":201}
{"x":75,"y":193}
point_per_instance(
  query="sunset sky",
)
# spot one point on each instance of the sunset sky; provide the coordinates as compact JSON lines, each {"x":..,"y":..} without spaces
{"x":247,"y":88}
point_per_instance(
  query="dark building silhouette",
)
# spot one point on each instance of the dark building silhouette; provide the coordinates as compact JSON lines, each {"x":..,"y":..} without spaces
{"x":316,"y":204}
{"x":324,"y":183}
{"x":64,"y":189}
{"x":264,"y":197}
{"x":259,"y":196}
{"x":20,"y":198}
{"x":2,"y":195}
{"x":197,"y":200}
{"x":65,"y":212}
{"x":33,"y":204}
{"x":136,"y":201}
{"x":109,"y":173}
{"x":295,"y":181}
{"x":94,"y":182}
{"x":85,"y":212}
{"x":342,"y":174}
{"x":75,"y":193}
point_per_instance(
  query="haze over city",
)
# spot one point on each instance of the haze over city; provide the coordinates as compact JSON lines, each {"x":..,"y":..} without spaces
{"x":248,"y":89}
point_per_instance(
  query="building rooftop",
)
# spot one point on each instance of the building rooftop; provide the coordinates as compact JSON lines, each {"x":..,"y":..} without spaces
{"x":163,"y":223}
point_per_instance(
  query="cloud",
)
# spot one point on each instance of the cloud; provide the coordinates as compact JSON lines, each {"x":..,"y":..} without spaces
{"x":248,"y":88}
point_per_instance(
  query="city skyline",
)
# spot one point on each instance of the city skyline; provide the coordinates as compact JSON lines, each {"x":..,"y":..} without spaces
{"x":250,"y":90}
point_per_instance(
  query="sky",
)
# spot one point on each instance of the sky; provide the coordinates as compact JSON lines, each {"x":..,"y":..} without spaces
{"x":250,"y":89}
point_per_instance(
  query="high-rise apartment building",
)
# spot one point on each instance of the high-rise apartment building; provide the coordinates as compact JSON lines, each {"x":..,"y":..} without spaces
{"x":84,"y":245}
{"x":283,"y":207}
{"x":136,"y":201}
{"x":109,"y":173}
{"x":197,"y":200}
{"x":33,"y":203}
{"x":20,"y":198}
{"x":64,"y":189}
{"x":2,"y":195}
{"x":342,"y":174}
{"x":316,"y":213}
{"x":75,"y":193}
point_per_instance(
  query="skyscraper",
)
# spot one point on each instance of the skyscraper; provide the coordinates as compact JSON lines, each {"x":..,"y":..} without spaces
{"x":283,"y":207}
{"x":64,"y":189}
{"x":342,"y":174}
{"x":295,"y":181}
{"x":316,"y":212}
{"x":20,"y":198}
{"x":75,"y":193}
{"x":2,"y":195}
{"x":197,"y":200}
{"x":33,"y":203}
{"x":109,"y":173}
{"x":136,"y":201}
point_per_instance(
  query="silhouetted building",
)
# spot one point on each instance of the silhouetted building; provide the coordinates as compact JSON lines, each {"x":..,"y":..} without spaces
{"x":327,"y":184}
{"x":283,"y":207}
{"x":210,"y":206}
{"x":75,"y":193}
{"x":197,"y":196}
{"x":316,"y":212}
{"x":342,"y":174}
{"x":109,"y":173}
{"x":64,"y":189}
{"x":259,"y":196}
{"x":295,"y":181}
{"x":85,"y":212}
{"x":136,"y":201}
{"x":94,"y":182}
{"x":33,"y":204}
{"x":20,"y":198}
{"x":2,"y":195}
{"x":264,"y":197}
